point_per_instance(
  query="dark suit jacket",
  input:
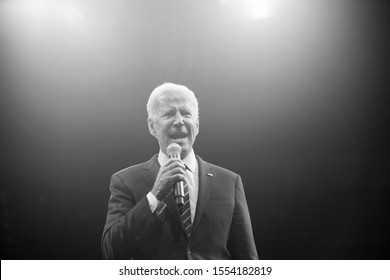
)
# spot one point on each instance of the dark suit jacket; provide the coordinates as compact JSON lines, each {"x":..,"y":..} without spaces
{"x":221,"y":229}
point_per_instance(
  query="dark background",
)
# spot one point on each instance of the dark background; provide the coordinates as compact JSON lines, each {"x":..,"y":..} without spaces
{"x":295,"y":103}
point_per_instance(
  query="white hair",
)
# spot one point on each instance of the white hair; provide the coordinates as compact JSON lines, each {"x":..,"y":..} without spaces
{"x":156,"y":97}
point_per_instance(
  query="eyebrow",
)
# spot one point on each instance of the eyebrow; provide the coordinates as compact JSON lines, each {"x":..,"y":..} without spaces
{"x":181,"y":108}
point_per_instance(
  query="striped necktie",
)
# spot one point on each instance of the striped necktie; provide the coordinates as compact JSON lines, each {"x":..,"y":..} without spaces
{"x":185,"y":213}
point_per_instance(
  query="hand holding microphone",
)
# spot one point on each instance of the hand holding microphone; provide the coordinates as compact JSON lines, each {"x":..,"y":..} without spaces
{"x":174,"y":151}
{"x":170,"y":175}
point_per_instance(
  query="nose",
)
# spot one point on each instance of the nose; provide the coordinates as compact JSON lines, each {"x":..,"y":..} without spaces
{"x":178,"y":120}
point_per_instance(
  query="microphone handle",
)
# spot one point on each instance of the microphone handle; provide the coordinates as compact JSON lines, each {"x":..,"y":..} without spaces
{"x":179,"y":193}
{"x":179,"y":186}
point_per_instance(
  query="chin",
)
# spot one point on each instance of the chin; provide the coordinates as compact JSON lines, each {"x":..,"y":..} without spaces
{"x":181,"y":141}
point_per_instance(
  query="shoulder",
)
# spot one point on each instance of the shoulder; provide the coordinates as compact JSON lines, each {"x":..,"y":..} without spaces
{"x":136,"y":170}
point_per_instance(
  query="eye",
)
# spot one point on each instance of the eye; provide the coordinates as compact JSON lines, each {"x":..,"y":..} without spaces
{"x":169,"y":113}
{"x":186,"y":113}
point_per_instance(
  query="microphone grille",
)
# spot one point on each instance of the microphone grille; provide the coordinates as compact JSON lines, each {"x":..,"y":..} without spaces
{"x":173,"y":148}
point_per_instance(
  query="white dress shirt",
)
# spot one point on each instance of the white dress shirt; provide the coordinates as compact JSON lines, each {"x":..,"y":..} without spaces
{"x":192,"y":178}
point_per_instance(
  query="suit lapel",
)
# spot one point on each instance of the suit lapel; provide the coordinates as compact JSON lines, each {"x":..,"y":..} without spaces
{"x":151,"y":169}
{"x":205,"y":187}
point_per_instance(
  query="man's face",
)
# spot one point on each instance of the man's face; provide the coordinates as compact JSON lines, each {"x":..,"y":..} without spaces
{"x":175,"y":122}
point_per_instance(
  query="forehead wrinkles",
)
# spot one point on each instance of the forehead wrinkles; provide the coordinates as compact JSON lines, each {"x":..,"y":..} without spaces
{"x":164,"y":102}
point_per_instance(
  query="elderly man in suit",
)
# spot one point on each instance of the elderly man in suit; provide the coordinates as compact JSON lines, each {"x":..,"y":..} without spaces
{"x":144,"y":220}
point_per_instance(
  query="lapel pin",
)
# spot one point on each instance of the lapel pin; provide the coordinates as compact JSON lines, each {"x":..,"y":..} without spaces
{"x":209,"y":174}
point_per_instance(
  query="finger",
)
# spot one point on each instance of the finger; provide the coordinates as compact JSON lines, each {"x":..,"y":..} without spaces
{"x":177,"y":177}
{"x":172,"y":160}
{"x":174,"y":165}
{"x":177,"y":170}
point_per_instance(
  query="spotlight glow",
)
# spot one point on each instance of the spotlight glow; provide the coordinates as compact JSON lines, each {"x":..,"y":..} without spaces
{"x":47,"y":12}
{"x":72,"y":15}
{"x":250,"y":9}
{"x":261,"y":9}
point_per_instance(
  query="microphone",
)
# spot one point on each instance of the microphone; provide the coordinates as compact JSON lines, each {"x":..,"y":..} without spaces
{"x":174,"y":151}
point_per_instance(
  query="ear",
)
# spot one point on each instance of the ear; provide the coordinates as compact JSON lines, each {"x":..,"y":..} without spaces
{"x":151,"y":127}
{"x":197,"y":125}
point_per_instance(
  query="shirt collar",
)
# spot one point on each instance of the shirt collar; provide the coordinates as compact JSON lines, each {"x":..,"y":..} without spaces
{"x":189,"y":160}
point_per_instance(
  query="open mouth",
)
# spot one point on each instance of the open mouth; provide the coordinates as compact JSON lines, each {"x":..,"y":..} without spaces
{"x":179,"y":135}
